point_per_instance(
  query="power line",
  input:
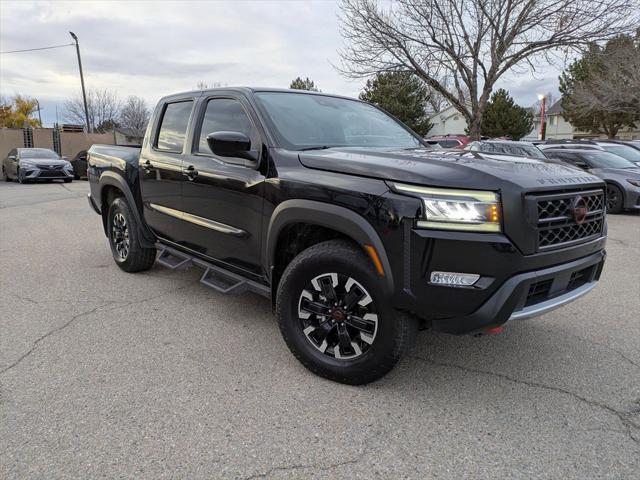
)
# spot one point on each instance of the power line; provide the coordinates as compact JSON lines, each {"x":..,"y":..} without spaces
{"x":41,"y":48}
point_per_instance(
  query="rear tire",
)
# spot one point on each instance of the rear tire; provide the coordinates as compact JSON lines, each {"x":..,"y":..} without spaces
{"x":5,"y":176}
{"x":615,"y":201}
{"x":359,"y":340}
{"x":122,"y":231}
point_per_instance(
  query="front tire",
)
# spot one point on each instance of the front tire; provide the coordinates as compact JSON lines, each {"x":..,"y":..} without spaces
{"x":68,"y":180}
{"x":122,"y":230}
{"x":335,"y":315}
{"x":615,"y":201}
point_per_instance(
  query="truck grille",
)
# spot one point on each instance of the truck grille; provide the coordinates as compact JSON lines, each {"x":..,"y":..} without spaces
{"x":569,"y":218}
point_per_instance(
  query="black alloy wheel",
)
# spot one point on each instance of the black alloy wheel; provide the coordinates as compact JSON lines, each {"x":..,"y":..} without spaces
{"x":338,"y":316}
{"x":335,"y":314}
{"x":120,"y":235}
{"x":124,"y":239}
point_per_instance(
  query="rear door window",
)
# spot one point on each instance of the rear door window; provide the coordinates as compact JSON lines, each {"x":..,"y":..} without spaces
{"x":173,"y":128}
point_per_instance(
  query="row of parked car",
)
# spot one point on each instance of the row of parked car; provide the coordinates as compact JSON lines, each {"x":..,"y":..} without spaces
{"x":617,"y":162}
{"x":42,"y":164}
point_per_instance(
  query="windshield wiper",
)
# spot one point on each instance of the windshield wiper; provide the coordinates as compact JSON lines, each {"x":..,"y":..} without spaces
{"x":317,"y":147}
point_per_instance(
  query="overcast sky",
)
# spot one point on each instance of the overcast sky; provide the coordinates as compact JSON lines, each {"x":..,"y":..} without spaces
{"x":152,"y":48}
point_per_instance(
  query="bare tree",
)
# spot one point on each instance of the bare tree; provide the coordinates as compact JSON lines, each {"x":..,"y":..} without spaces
{"x":135,"y":115}
{"x":458,"y":45}
{"x":103,"y":106}
{"x":436,"y":101}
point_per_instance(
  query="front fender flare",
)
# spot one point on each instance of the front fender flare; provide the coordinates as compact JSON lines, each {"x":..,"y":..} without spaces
{"x":337,"y":218}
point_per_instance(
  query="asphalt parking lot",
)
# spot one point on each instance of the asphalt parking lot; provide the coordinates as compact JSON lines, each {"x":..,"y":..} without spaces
{"x":105,"y":374}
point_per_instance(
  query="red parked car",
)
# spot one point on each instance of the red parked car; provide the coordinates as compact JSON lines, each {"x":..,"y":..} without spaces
{"x":449,"y":141}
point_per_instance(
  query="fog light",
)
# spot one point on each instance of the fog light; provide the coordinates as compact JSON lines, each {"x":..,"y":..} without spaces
{"x":453,"y":278}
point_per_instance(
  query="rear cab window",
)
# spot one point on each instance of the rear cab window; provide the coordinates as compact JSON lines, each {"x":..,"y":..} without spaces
{"x":173,"y":126}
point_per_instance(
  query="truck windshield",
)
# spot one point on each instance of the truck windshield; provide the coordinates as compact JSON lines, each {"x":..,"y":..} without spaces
{"x":304,"y":121}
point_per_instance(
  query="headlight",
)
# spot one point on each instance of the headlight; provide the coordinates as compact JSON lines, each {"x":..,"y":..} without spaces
{"x":24,"y":164}
{"x":450,"y":209}
{"x":634,"y":182}
{"x":68,"y":166}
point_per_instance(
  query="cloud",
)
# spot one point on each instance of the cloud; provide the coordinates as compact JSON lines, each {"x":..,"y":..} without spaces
{"x":152,"y":49}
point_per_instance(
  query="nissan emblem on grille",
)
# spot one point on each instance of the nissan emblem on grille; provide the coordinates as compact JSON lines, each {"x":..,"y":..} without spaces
{"x":579,"y":210}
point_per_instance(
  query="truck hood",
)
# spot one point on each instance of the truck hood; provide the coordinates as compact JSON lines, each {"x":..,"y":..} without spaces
{"x":447,"y":169}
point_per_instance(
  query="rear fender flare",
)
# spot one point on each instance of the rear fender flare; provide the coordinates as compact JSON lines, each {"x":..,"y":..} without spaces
{"x":115,"y":180}
{"x":330,"y":216}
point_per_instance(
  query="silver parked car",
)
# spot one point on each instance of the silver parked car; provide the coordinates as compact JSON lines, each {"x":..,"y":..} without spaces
{"x":35,"y":164}
{"x":506,"y":147}
{"x":625,"y":149}
{"x":621,"y":175}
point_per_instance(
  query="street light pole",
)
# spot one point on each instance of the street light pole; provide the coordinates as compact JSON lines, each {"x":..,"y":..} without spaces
{"x":543,"y":122}
{"x":84,"y":94}
{"x":39,"y":116}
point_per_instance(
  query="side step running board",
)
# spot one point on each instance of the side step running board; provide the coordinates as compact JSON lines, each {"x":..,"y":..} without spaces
{"x":216,"y":277}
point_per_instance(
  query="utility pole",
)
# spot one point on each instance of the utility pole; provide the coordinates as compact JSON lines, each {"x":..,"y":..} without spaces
{"x":84,"y":94}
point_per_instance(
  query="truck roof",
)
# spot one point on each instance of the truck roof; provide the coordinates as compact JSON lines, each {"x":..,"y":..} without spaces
{"x":245,"y":90}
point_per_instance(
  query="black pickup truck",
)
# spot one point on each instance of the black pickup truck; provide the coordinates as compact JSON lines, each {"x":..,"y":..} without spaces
{"x":356,"y":230}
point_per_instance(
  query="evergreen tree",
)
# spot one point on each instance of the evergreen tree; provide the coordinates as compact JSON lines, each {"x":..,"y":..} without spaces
{"x":403,"y":95}
{"x":306,"y":84}
{"x":503,"y":118}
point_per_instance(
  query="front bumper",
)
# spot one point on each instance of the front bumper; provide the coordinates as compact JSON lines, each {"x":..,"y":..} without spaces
{"x":35,"y":173}
{"x":512,"y":285}
{"x":530,"y":294}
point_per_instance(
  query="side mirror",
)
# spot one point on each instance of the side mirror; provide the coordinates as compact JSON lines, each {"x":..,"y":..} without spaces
{"x":12,"y":158}
{"x":232,"y":144}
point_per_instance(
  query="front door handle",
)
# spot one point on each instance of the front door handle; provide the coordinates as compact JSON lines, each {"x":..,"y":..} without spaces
{"x":190,"y":172}
{"x":148,"y":166}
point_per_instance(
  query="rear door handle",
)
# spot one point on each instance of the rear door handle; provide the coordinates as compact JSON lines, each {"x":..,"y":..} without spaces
{"x":190,"y":172}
